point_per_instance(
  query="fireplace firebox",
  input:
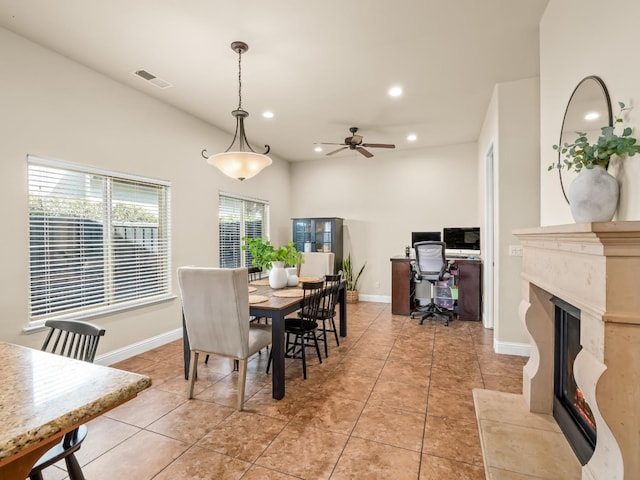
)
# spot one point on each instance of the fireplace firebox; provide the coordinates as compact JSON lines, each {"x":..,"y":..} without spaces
{"x":570,"y":409}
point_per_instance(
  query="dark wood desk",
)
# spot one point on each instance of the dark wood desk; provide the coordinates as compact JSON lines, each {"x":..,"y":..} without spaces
{"x":276,"y":308}
{"x":469,"y":283}
{"x":43,"y":396}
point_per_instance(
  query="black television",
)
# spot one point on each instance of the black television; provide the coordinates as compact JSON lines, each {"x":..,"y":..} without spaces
{"x":462,"y":239}
{"x":425,"y":237}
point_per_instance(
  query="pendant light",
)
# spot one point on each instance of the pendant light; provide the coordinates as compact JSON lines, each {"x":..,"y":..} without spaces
{"x":239,"y":160}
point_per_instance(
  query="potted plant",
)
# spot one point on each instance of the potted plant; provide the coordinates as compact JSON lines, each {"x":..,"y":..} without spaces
{"x":352,"y":284}
{"x":593,"y":196}
{"x":275,"y":259}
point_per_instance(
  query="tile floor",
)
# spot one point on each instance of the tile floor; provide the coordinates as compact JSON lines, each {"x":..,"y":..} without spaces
{"x":394,"y":401}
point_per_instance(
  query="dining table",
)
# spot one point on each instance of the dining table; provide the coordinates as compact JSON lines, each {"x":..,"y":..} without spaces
{"x":43,"y":396}
{"x":276,"y":308}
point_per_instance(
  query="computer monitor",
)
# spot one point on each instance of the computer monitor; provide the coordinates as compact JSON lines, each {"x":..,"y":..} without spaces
{"x":462,"y":240}
{"x":425,"y":237}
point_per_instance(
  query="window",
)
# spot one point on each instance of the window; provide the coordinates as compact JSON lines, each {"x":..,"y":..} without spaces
{"x":98,"y":241}
{"x":240,"y":217}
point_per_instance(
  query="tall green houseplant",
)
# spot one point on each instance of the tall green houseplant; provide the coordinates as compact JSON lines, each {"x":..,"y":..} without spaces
{"x":352,"y":283}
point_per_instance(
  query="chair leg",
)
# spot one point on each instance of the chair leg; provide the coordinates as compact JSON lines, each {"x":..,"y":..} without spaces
{"x":304,"y":356}
{"x":193,"y":370}
{"x":269,"y":362}
{"x":315,"y":341}
{"x":335,"y":331}
{"x":323,"y":336}
{"x":36,"y":476}
{"x":242,"y":380}
{"x":73,"y":468}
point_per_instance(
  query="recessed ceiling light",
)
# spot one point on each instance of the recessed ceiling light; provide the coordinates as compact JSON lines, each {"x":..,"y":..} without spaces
{"x":267,"y":114}
{"x":592,"y":116}
{"x":395,"y":91}
{"x":318,"y":149}
{"x":412,"y":137}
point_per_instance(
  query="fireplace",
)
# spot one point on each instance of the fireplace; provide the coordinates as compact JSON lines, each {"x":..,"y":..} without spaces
{"x":570,"y":409}
{"x":596,"y":268}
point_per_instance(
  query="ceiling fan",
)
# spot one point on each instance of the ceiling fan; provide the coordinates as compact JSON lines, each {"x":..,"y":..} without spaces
{"x":354,"y":142}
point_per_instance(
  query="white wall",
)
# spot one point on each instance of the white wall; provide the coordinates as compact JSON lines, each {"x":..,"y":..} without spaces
{"x":579,"y":38}
{"x":55,"y":108}
{"x":512,"y":127}
{"x":384,"y":198}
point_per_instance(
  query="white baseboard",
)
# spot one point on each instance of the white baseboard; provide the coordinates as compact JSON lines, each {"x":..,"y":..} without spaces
{"x":512,"y":348}
{"x":134,"y":349}
{"x":375,"y":298}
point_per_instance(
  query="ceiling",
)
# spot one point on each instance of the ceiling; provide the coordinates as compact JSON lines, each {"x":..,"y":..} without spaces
{"x":320,"y":67}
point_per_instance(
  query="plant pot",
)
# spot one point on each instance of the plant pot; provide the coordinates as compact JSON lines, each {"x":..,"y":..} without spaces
{"x":593,"y":196}
{"x":292,"y":276}
{"x":278,"y":275}
{"x":352,"y":296}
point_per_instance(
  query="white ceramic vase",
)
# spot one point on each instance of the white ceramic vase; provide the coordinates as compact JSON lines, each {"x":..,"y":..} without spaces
{"x":278,"y":275}
{"x":292,"y":276}
{"x":593,"y":196}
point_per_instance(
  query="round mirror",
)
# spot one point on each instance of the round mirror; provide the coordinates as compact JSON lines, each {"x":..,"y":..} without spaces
{"x":588,"y":110}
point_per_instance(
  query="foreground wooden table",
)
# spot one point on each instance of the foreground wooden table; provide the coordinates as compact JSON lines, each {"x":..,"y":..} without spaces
{"x":43,"y":396}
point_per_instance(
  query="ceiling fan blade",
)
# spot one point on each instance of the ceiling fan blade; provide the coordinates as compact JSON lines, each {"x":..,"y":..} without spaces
{"x":326,"y":143}
{"x":379,"y":145}
{"x":338,"y":150}
{"x":364,"y":152}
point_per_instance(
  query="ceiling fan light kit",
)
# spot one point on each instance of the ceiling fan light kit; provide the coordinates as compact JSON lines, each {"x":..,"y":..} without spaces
{"x":354,"y":142}
{"x":239,"y":161}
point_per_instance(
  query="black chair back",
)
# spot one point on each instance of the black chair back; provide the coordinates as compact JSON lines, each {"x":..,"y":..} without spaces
{"x":73,"y":339}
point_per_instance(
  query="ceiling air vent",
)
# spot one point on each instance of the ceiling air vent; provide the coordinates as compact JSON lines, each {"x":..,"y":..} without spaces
{"x":151,"y":78}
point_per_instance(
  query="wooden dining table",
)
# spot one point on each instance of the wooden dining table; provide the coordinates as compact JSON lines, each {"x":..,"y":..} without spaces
{"x":275,"y":308}
{"x":43,"y":396}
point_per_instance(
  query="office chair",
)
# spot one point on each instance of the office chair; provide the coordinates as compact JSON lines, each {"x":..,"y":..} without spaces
{"x":430,"y":265}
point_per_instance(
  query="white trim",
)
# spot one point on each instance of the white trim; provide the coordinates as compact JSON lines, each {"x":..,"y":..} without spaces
{"x":512,"y":348}
{"x":134,"y":349}
{"x":375,"y":298}
{"x":242,"y":197}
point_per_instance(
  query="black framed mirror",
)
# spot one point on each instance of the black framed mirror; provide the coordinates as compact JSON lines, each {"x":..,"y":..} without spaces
{"x":588,"y":110}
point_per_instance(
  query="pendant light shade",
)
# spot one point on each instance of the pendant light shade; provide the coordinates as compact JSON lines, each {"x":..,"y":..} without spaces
{"x":239,"y":160}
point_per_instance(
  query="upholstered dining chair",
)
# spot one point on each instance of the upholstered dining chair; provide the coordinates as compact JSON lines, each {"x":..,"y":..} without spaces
{"x":215,"y":303}
{"x":303,"y":326}
{"x":77,"y":340}
{"x":317,"y":264}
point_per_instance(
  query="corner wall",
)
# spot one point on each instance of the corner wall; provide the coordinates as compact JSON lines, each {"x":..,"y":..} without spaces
{"x":512,"y":127}
{"x":384,"y":198}
{"x":579,"y":38}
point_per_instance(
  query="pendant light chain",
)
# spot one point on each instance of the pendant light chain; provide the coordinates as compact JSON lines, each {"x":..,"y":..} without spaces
{"x":239,"y":79}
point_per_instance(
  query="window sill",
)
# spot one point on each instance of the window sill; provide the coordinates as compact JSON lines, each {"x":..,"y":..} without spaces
{"x":38,"y":325}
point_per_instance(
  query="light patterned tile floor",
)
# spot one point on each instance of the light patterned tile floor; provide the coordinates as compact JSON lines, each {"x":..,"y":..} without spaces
{"x":394,"y":401}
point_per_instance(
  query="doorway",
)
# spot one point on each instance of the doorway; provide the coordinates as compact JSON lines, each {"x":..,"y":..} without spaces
{"x":487,"y":317}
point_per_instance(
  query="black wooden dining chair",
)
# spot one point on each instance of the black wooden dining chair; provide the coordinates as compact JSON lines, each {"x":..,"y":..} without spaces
{"x":327,"y":310}
{"x":79,"y":340}
{"x":303,"y":326}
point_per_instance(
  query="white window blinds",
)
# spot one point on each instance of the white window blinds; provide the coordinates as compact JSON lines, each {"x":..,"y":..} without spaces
{"x":239,"y":217}
{"x":98,"y":241}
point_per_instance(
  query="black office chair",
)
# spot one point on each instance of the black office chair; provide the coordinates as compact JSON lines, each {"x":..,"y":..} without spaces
{"x":77,"y":340}
{"x":430,"y":265}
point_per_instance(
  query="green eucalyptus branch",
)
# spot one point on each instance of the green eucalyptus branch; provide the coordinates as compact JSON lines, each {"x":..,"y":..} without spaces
{"x":582,"y":154}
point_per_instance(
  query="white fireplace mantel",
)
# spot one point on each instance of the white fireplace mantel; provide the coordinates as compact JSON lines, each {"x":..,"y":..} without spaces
{"x":596,"y":268}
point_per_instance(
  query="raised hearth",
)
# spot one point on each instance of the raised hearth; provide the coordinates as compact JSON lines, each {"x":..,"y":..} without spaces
{"x":596,"y":268}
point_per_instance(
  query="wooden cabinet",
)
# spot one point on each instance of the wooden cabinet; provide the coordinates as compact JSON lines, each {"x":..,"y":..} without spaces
{"x":468,"y":280}
{"x":469,"y":289}
{"x":401,"y":284}
{"x":319,"y":235}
